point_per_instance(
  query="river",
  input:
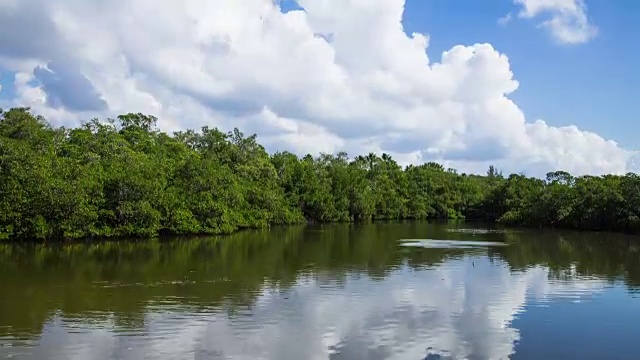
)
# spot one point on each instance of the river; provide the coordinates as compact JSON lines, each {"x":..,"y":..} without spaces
{"x":376,"y":291}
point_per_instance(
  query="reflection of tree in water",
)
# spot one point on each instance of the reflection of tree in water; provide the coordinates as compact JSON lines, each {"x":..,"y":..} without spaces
{"x":125,"y":279}
{"x":610,"y":256}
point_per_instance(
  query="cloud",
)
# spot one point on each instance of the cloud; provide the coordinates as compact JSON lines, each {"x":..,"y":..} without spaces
{"x":452,"y":309}
{"x":334,"y":75}
{"x":504,"y":20}
{"x":65,"y":87}
{"x":568,"y":22}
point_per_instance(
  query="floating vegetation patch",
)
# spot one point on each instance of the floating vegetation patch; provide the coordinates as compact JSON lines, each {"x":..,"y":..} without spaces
{"x":448,"y":244}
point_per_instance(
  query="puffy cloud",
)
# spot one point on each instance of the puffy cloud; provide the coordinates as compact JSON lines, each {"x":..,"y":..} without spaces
{"x":568,"y":22}
{"x":454,"y":309}
{"x":337,"y":75}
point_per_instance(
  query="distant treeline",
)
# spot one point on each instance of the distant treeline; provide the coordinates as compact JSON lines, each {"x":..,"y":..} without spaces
{"x":125,"y":178}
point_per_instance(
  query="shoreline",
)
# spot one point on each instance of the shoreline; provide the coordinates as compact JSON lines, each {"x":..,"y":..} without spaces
{"x":168,"y":237}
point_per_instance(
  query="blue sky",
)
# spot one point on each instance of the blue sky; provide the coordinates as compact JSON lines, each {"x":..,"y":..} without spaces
{"x":6,"y":84}
{"x":366,"y":88}
{"x":593,"y":85}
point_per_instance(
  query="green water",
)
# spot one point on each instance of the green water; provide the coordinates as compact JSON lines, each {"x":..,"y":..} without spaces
{"x":327,"y":292}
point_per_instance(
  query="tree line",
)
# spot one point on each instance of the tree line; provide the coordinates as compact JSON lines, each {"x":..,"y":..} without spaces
{"x":125,"y":178}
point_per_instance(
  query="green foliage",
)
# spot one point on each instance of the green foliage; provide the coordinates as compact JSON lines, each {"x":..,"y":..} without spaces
{"x":124,"y":178}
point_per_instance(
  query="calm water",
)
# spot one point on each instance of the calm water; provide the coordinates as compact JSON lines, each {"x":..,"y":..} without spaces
{"x":332,"y":292}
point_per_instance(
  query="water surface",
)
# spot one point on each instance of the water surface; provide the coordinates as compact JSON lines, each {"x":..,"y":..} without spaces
{"x":327,"y":292}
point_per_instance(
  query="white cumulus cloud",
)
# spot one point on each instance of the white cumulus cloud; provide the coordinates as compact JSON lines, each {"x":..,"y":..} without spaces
{"x":337,"y":75}
{"x":567,"y":19}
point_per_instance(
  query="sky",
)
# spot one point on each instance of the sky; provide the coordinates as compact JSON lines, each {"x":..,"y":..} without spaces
{"x":527,"y":85}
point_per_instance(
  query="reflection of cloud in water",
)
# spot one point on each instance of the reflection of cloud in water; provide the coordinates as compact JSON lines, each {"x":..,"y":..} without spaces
{"x":448,"y":244}
{"x":479,"y":231}
{"x":455,"y":310}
